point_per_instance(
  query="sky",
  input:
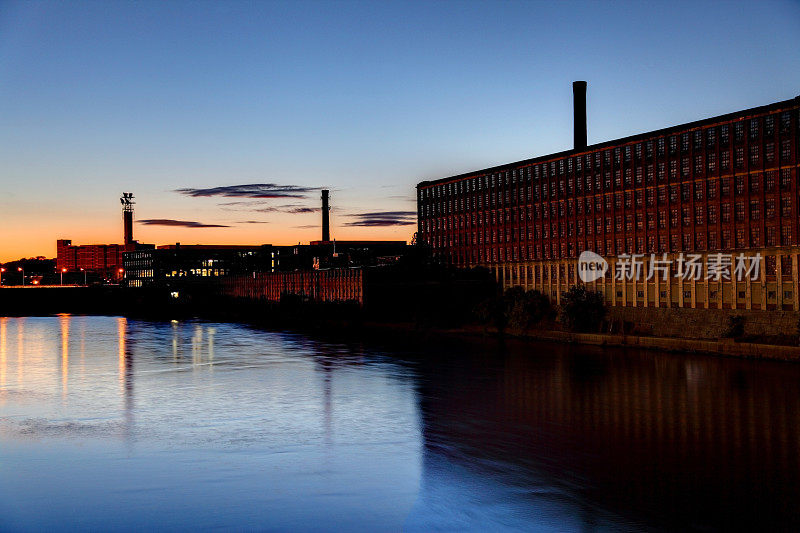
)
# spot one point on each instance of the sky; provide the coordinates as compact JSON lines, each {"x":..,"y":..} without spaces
{"x":225,"y":119}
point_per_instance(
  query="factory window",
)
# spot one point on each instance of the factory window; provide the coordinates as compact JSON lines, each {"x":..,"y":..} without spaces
{"x":786,"y":121}
{"x":686,"y":216}
{"x":755,"y":183}
{"x":650,"y":197}
{"x":786,"y":206}
{"x":753,"y":129}
{"x":711,"y":137}
{"x":673,"y":218}
{"x":712,"y":189}
{"x":660,"y":146}
{"x":685,"y":142}
{"x":755,"y":210}
{"x":771,"y":236}
{"x":786,"y":178}
{"x":769,"y":125}
{"x":726,"y":238}
{"x":711,"y":159}
{"x":725,"y":209}
{"x":686,"y":192}
{"x":712,"y":241}
{"x":662,"y":219}
{"x":698,"y":191}
{"x":740,"y":238}
{"x":754,"y":154}
{"x":724,"y":134}
{"x":712,"y":214}
{"x":769,"y":152}
{"x":686,"y":241}
{"x":725,"y":187}
{"x":673,"y":170}
{"x":770,"y":208}
{"x":739,"y":183}
{"x":661,"y":172}
{"x":725,"y":160}
{"x":662,"y":195}
{"x":673,"y":193}
{"x":685,"y":167}
{"x":739,"y":157}
{"x":698,"y":215}
{"x":738,"y":210}
{"x":738,"y":132}
{"x":786,"y":150}
{"x":786,"y":235}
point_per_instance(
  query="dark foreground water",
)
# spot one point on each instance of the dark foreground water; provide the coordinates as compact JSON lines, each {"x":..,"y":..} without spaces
{"x":115,"y":424}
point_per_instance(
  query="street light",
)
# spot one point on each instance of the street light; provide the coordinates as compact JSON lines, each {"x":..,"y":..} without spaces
{"x":1,"y":275}
{"x":20,"y":269}
{"x":62,"y":275}
{"x":84,"y":276}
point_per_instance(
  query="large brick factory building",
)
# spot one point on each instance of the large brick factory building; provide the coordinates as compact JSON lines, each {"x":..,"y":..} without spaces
{"x":721,"y":193}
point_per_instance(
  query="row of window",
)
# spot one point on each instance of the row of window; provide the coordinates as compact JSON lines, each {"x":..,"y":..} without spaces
{"x":566,"y":188}
{"x":741,"y":238}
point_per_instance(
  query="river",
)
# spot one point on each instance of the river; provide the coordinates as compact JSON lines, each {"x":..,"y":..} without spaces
{"x":108,"y":423}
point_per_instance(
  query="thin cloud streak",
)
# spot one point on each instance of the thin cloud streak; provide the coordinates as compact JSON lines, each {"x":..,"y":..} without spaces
{"x":249,"y":190}
{"x":383,"y":219}
{"x":179,"y":223}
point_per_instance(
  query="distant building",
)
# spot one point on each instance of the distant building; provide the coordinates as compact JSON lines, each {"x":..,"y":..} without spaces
{"x":176,"y":264}
{"x":102,"y":261}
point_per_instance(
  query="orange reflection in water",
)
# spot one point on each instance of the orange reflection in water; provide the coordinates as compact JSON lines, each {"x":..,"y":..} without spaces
{"x":64,"y":321}
{"x":3,"y":351}
{"x":20,"y":348}
{"x":122,"y":326}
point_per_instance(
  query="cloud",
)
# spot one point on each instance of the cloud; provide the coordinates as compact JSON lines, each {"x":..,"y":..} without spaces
{"x":181,"y":223}
{"x":250,"y":190}
{"x":252,"y":222}
{"x":307,"y":226}
{"x":383,"y":218}
{"x":261,"y":207}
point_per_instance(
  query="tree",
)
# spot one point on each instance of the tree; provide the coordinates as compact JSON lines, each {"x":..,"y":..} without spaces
{"x":582,"y":310}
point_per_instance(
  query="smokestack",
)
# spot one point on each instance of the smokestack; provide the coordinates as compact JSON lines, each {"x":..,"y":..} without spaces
{"x":579,"y":114}
{"x":326,"y":223}
{"x":127,"y":216}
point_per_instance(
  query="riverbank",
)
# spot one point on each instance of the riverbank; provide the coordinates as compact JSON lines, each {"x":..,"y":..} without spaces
{"x":351,"y":321}
{"x":721,"y":347}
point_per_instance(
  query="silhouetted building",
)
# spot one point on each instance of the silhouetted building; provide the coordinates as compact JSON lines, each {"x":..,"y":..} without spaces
{"x":101,"y":260}
{"x":177,"y":264}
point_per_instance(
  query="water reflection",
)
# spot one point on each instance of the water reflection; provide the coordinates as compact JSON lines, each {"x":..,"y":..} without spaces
{"x":222,"y":426}
{"x":632,"y":439}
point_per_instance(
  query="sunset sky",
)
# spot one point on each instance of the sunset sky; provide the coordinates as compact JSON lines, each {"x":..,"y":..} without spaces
{"x":226,"y":118}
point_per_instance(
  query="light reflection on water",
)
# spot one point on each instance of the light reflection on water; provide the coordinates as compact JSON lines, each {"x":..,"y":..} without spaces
{"x":110,"y":423}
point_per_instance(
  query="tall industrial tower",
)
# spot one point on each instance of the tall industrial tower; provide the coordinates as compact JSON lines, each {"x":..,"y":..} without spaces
{"x":326,"y":209}
{"x":127,"y":215}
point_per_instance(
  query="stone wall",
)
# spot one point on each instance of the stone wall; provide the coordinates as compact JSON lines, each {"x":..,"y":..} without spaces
{"x":700,"y":323}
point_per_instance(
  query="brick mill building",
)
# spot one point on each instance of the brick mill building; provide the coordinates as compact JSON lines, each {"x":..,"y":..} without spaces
{"x":723,"y":186}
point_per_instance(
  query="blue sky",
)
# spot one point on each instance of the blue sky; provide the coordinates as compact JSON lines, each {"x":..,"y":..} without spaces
{"x":366,"y":98}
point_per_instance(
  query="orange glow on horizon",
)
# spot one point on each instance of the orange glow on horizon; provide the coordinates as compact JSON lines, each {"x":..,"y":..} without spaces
{"x":40,"y":239}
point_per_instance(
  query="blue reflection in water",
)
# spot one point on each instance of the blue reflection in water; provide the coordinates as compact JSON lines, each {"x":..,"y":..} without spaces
{"x":115,"y":424}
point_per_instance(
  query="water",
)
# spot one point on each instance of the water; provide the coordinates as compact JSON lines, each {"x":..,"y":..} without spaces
{"x":115,"y":424}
